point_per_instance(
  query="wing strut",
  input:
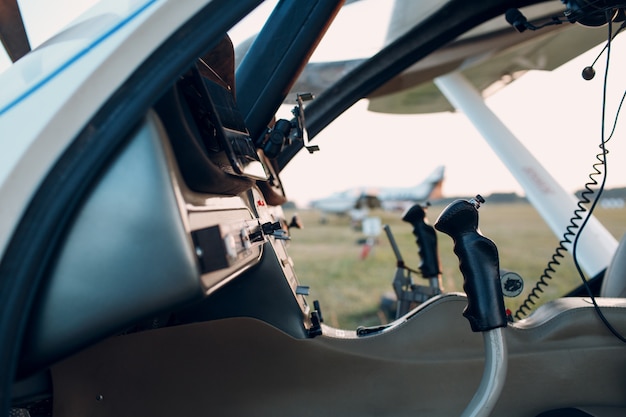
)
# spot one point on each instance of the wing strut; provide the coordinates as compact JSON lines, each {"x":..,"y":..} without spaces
{"x":596,"y":245}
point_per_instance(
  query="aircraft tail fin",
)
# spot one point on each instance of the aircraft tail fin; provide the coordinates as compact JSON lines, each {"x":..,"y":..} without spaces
{"x":436,"y":179}
{"x":437,"y":191}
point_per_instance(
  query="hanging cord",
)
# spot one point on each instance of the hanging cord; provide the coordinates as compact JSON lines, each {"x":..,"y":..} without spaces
{"x":603,"y":161}
{"x":570,"y":232}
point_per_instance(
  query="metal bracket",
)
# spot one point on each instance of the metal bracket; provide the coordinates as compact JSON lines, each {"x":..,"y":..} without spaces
{"x":298,"y":112}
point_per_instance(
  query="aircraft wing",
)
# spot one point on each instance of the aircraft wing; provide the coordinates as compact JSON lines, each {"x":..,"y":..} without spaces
{"x":489,"y":62}
{"x":490,"y":57}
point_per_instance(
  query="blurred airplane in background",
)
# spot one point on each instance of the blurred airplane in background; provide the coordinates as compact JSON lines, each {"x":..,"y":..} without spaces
{"x":356,"y":202}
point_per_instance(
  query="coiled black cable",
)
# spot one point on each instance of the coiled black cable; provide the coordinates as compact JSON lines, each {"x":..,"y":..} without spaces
{"x":570,"y":232}
{"x":602,"y":157}
{"x":577,"y":216}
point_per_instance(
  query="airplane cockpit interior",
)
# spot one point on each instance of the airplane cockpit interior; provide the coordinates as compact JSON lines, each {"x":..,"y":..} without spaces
{"x":145,"y":265}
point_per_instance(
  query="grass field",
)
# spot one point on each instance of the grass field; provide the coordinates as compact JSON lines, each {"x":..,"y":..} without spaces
{"x":327,"y":258}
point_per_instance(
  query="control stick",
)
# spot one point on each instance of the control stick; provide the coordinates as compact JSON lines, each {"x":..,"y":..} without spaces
{"x":426,"y":239}
{"x":406,"y":291}
{"x":479,"y":265}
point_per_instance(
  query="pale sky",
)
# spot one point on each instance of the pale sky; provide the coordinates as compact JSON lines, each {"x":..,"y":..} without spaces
{"x":557,"y":115}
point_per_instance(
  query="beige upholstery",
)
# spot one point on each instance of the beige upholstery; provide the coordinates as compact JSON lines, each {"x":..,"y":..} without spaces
{"x":427,"y":364}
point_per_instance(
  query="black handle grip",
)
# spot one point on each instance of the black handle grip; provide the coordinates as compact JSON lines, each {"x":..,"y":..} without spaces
{"x":479,"y":265}
{"x":426,"y":239}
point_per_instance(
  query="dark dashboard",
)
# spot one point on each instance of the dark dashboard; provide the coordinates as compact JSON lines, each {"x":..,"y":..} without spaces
{"x":202,"y":211}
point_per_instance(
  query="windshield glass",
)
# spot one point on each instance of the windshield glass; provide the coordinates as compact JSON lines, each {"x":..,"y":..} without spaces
{"x":385,"y":142}
{"x":42,"y":19}
{"x":360,"y":29}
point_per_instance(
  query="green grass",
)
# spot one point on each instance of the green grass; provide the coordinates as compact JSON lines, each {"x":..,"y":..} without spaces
{"x":327,"y":258}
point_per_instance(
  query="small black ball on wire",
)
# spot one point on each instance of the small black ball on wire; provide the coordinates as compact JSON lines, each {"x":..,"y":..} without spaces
{"x":588,"y":73}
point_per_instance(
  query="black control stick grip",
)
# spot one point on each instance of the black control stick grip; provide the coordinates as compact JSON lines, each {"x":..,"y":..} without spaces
{"x":479,"y":265}
{"x":426,"y":239}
